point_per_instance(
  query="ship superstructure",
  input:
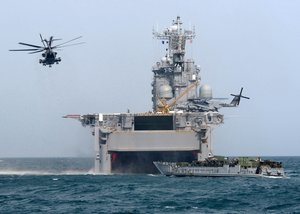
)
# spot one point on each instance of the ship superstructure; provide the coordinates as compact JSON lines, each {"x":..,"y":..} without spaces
{"x":178,"y":129}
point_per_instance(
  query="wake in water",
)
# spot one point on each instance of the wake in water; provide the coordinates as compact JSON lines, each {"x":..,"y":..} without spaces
{"x":41,"y":172}
{"x":154,"y":175}
{"x":275,"y":177}
{"x":46,"y":166}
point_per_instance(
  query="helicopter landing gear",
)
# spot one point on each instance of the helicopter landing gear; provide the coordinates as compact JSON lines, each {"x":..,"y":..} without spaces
{"x":58,"y":60}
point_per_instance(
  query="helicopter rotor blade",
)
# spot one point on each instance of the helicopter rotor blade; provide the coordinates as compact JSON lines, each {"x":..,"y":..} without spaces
{"x":79,"y":43}
{"x":25,"y":49}
{"x":35,"y":46}
{"x":50,"y":41}
{"x":68,"y":41}
{"x":46,"y":41}
{"x":245,"y":97}
{"x":36,"y":51}
{"x":241,"y":91}
{"x":219,"y":98}
{"x":42,"y":41}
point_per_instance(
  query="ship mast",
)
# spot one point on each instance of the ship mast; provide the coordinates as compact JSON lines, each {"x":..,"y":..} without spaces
{"x":173,"y":74}
{"x":176,"y":39}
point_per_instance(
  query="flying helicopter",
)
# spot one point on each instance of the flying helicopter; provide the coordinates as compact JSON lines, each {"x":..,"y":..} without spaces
{"x":49,"y":55}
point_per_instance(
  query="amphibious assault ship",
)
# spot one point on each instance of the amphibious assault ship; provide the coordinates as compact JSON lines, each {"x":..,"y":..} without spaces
{"x":179,"y":127}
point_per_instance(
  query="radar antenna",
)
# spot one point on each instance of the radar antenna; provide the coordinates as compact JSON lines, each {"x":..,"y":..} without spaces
{"x":176,"y":38}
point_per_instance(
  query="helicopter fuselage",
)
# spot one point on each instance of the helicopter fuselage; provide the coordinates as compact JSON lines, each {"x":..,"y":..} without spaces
{"x":49,"y":58}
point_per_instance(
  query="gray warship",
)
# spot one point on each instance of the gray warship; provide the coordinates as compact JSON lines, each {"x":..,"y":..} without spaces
{"x":179,"y":127}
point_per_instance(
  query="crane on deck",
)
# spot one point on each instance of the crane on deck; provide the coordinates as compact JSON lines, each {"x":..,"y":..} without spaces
{"x":164,"y":107}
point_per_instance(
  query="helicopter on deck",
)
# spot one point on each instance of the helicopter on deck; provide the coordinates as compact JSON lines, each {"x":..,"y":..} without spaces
{"x":49,"y":55}
{"x":206,"y":102}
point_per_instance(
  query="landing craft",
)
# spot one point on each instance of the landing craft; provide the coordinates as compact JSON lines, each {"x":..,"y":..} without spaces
{"x":49,"y":56}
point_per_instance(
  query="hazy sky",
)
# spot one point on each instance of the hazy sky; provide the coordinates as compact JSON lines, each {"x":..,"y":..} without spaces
{"x":254,"y":44}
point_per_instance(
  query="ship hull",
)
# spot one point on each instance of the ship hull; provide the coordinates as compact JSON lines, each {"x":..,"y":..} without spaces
{"x":142,"y":162}
{"x":130,"y":142}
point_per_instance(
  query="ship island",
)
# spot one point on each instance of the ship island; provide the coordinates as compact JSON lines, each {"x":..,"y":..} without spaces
{"x":175,"y":138}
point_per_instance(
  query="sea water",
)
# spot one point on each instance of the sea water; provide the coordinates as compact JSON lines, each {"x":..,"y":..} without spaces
{"x":68,"y":185}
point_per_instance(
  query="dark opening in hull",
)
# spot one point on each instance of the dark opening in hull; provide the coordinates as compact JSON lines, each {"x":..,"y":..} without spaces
{"x":161,"y":122}
{"x":142,"y":162}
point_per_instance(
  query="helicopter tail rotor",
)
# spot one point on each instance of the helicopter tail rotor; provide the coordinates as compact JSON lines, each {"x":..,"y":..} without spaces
{"x":237,"y":98}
